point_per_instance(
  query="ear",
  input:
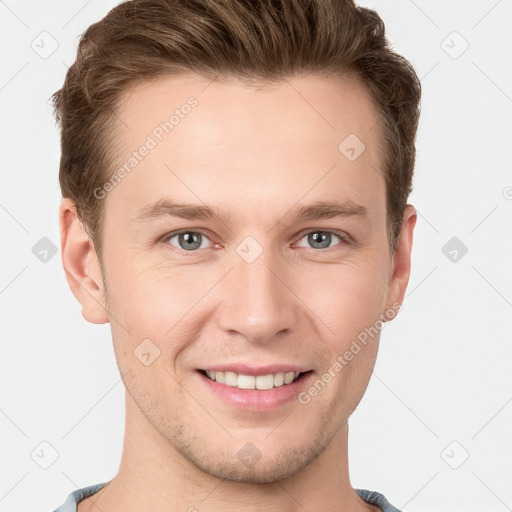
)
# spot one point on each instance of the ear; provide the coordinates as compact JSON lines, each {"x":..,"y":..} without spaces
{"x":401,"y":262}
{"x":81,"y":264}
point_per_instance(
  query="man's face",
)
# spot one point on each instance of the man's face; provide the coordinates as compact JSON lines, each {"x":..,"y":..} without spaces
{"x":255,"y":287}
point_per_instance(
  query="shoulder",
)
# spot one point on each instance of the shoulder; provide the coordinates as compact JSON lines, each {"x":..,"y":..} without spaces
{"x":376,"y":498}
{"x":70,"y":505}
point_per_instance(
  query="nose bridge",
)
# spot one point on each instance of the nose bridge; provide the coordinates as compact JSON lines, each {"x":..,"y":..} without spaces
{"x":256,"y":302}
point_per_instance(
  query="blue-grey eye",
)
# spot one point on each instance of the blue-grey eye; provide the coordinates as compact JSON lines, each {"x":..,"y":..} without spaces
{"x":320,"y":239}
{"x":189,"y":240}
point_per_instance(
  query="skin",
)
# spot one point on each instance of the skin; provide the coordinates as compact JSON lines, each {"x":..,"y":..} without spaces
{"x":256,"y":154}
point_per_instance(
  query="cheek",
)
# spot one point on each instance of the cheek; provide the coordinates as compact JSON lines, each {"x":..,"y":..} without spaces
{"x":156,"y":304}
{"x":347,"y":299}
{"x":153,"y":297}
{"x":350,"y":306}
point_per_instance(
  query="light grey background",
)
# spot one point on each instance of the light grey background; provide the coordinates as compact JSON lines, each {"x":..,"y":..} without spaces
{"x":441,"y":389}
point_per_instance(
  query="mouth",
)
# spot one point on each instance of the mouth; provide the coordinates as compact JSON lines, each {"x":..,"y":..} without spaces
{"x":254,"y":382}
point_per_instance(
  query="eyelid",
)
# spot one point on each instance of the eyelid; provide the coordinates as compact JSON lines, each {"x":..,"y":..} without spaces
{"x":344,"y":237}
{"x":165,"y":239}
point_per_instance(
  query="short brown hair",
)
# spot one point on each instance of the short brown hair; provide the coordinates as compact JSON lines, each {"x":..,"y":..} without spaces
{"x":253,"y":40}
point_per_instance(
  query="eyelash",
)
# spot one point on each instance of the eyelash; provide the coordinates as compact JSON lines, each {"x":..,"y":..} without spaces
{"x":344,"y":239}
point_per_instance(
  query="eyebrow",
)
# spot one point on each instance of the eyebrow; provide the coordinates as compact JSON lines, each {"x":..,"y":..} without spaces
{"x":318,"y":210}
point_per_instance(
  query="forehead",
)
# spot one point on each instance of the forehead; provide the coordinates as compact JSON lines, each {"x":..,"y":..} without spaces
{"x":300,"y":136}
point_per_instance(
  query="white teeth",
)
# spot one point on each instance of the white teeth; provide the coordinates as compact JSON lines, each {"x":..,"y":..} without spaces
{"x":264,"y":381}
{"x":230,"y":379}
{"x":279,"y":379}
{"x":288,"y":377}
{"x":250,"y":381}
{"x":246,"y":381}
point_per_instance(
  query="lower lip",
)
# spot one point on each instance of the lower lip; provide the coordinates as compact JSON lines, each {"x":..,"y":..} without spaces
{"x":257,"y":399}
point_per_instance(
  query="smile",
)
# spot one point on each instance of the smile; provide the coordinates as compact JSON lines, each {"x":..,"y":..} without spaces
{"x":261,"y":382}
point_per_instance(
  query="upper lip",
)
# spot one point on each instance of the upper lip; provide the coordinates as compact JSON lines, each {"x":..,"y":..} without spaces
{"x":246,"y":369}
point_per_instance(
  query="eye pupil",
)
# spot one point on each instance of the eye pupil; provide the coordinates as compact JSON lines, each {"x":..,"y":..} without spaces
{"x":320,"y":237}
{"x":190,"y":241}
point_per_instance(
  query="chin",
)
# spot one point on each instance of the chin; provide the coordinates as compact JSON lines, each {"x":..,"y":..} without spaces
{"x":250,"y":465}
{"x":260,"y":474}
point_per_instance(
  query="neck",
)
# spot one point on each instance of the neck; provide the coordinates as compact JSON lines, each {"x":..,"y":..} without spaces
{"x":153,"y":475}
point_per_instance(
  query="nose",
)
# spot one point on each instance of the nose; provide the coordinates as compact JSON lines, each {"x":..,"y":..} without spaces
{"x":257,"y":299}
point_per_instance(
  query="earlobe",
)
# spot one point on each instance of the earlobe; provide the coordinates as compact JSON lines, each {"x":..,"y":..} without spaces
{"x":81,"y":265}
{"x":401,"y":265}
